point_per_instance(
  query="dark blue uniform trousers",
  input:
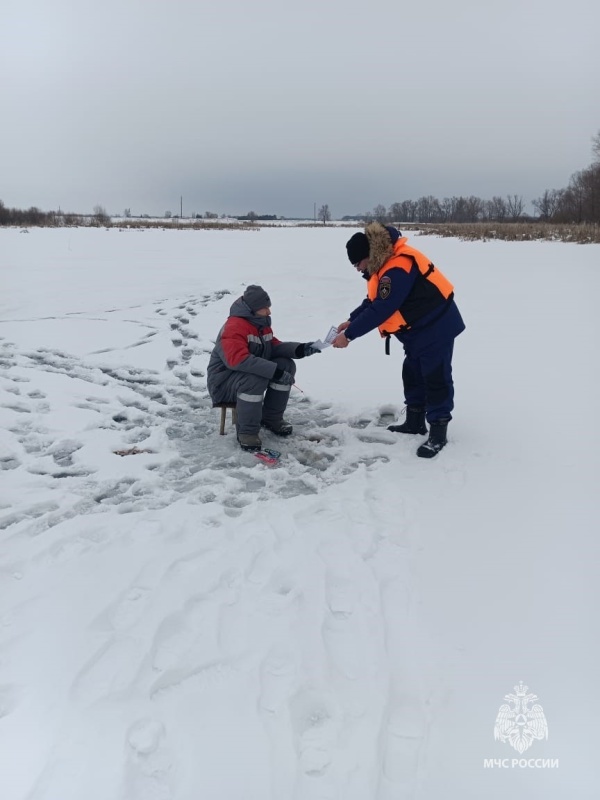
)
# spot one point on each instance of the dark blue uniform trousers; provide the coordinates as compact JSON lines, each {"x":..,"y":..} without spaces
{"x":427,"y":378}
{"x":427,"y":368}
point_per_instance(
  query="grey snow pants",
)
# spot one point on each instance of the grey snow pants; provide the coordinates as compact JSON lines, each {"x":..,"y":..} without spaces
{"x":257,"y":398}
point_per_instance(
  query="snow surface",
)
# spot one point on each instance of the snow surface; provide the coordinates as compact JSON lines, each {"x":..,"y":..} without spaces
{"x":189,"y":623}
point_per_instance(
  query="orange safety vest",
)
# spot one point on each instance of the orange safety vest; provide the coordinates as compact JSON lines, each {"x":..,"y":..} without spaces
{"x":437,"y":289}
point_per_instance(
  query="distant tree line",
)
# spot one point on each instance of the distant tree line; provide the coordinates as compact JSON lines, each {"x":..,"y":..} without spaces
{"x":51,"y":219}
{"x":450,"y":209}
{"x":578,"y":202}
{"x":252,"y":216}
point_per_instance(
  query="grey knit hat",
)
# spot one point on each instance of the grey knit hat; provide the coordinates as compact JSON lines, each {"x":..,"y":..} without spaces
{"x":255,"y":297}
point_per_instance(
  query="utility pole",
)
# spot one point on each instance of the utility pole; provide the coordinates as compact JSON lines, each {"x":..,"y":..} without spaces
{"x":315,"y":212}
{"x":181,"y":207}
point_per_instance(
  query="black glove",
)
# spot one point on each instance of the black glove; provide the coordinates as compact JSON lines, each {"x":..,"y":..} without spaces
{"x":306,"y":349}
{"x":281,"y":376}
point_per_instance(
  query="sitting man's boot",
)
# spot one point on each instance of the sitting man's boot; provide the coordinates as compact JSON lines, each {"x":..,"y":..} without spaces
{"x":279,"y":427}
{"x":437,"y":439}
{"x":414,"y":423}
{"x":249,"y":441}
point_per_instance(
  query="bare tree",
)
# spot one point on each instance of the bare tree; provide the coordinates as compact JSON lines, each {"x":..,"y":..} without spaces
{"x":596,"y":147}
{"x":446,"y":209}
{"x":496,"y":209}
{"x":474,"y":208}
{"x":592,"y":188}
{"x":547,"y":205}
{"x":395,"y":212}
{"x":324,"y":214}
{"x":514,"y":206}
{"x":575,"y":198}
{"x":100,"y":216}
{"x":455,"y":209}
{"x":409,"y":210}
{"x":584,"y":194}
{"x":426,"y":209}
{"x":402,"y":212}
{"x":380,"y":214}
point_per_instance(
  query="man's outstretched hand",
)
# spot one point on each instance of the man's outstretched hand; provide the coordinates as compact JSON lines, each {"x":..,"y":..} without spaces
{"x":306,"y":349}
{"x":309,"y":350}
{"x":341,"y":341}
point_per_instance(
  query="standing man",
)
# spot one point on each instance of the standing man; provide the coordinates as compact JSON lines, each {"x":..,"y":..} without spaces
{"x":253,"y":369}
{"x":409,"y":298}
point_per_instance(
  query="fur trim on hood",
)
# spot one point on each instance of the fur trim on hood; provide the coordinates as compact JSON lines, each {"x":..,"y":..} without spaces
{"x":380,"y":246}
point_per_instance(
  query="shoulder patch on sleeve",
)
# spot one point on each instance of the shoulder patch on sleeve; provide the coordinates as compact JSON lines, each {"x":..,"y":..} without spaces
{"x":385,"y":287}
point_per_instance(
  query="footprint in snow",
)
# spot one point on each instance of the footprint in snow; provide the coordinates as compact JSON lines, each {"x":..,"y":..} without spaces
{"x":402,"y":742}
{"x":277,"y":679}
{"x":340,"y":634}
{"x":62,"y":451}
{"x":315,"y":727}
{"x":9,"y":462}
{"x":112,"y":669}
{"x":33,"y":512}
{"x":175,"y":638}
{"x":8,"y":700}
{"x":124,"y":612}
{"x":149,"y":771}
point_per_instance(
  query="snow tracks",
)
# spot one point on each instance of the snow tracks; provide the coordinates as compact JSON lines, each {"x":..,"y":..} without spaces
{"x":167,"y":632}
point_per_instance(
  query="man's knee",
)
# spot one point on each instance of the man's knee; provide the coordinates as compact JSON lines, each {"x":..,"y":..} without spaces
{"x":252,"y":384}
{"x":287,"y":364}
{"x":243,"y":384}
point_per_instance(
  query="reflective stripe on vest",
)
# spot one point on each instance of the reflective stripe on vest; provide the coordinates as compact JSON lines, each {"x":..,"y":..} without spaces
{"x":404,"y":257}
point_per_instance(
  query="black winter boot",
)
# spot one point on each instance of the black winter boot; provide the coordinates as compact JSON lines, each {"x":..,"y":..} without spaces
{"x":415,"y":422}
{"x":249,"y":441}
{"x":437,"y":439}
{"x":281,"y":427}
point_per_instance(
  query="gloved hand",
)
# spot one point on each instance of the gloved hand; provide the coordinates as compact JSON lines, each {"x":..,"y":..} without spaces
{"x":306,"y":349}
{"x":284,"y":377}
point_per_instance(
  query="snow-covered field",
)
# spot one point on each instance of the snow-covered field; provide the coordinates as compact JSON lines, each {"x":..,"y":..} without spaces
{"x":188,"y":623}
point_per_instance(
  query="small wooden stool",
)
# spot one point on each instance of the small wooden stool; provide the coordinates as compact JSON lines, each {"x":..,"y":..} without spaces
{"x":224,"y":407}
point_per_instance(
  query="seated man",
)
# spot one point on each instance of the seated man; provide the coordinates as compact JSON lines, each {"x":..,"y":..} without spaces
{"x":253,"y":369}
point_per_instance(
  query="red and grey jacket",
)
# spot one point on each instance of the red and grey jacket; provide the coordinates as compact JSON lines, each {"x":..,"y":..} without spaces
{"x":245,"y":344}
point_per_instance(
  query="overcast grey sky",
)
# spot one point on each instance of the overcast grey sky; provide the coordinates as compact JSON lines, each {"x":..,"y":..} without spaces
{"x":271,"y":106}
